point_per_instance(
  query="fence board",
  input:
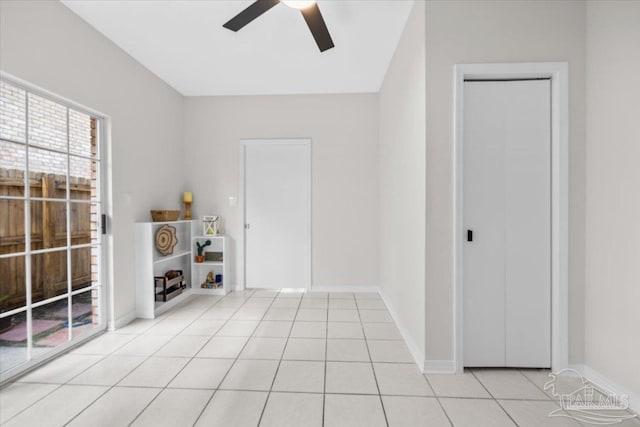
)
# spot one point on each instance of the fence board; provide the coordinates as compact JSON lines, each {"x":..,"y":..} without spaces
{"x":48,"y":230}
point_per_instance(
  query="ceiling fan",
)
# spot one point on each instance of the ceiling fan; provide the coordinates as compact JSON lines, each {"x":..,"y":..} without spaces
{"x":310,"y":12}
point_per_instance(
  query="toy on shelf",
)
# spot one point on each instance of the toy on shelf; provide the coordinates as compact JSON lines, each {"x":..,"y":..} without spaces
{"x":210,"y":282}
{"x":200,"y":256}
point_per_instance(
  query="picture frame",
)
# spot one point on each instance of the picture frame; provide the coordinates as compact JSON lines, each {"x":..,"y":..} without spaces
{"x":214,"y":256}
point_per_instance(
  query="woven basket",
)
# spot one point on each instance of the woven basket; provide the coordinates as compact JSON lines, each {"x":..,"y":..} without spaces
{"x":164,"y":215}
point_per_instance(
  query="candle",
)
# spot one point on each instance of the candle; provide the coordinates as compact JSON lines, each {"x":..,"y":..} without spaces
{"x":188,"y":197}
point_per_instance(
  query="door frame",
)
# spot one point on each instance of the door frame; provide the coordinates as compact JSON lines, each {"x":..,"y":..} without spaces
{"x":244,"y":143}
{"x":558,"y":72}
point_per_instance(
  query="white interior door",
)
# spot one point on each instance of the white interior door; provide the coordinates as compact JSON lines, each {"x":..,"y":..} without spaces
{"x":507,"y":208}
{"x":277,"y":199}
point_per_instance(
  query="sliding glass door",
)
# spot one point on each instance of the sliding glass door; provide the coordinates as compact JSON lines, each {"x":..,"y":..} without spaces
{"x":50,"y":239}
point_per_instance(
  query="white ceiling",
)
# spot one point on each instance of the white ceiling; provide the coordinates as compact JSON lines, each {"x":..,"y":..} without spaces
{"x":184,"y":43}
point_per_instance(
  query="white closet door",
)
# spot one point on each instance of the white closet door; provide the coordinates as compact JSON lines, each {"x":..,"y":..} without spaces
{"x":507,"y":269}
{"x":278,"y":214}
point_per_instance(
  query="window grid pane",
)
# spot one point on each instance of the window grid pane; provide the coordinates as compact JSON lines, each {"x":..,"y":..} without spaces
{"x":61,"y":145}
{"x":13,"y":121}
{"x":12,"y":237}
{"x":48,"y":275}
{"x":12,"y":283}
{"x":13,"y":160}
{"x":85,"y":311}
{"x":47,"y":121}
{"x":13,"y":340}
{"x":50,"y":326}
{"x":48,"y":224}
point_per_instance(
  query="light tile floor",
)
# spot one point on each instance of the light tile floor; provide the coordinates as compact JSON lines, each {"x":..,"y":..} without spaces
{"x":264,"y":358}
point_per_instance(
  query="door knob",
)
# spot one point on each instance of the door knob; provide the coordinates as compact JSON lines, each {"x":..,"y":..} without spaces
{"x":469,"y":235}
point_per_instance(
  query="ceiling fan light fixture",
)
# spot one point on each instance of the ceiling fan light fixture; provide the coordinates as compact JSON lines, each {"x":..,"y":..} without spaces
{"x":310,"y":12}
{"x":298,"y":4}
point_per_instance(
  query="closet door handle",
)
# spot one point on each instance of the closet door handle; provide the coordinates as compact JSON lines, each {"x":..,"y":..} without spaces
{"x":469,"y":235}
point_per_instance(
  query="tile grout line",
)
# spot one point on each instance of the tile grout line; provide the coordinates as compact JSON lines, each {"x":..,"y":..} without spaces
{"x":519,"y":370}
{"x":531,"y":381}
{"x":29,"y":406}
{"x":243,"y":301}
{"x":60,"y":385}
{"x":301,"y":391}
{"x":493,"y":397}
{"x":552,"y":399}
{"x":437,"y":399}
{"x":111,"y":354}
{"x":193,"y":320}
{"x":317,"y":392}
{"x":326,"y":349}
{"x":178,"y":373}
{"x":196,"y":353}
{"x":266,"y":402}
{"x":375,"y":377}
{"x":162,"y":389}
{"x":215,"y":391}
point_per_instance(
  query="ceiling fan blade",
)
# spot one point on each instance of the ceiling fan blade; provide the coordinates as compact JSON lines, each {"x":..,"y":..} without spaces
{"x":317,"y":26}
{"x":250,"y":13}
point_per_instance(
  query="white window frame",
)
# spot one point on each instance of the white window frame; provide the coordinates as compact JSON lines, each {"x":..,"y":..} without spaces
{"x":105,"y":285}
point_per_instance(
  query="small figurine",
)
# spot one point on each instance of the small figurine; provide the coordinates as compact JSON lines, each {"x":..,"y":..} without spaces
{"x":209,"y":282}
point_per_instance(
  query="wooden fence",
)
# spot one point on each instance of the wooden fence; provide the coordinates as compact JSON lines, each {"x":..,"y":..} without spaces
{"x":48,"y":230}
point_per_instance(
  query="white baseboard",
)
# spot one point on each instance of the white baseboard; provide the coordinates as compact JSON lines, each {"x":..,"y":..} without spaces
{"x":344,"y":288}
{"x":608,"y":385}
{"x":416,"y":352}
{"x":439,"y":367}
{"x":122,"y":321}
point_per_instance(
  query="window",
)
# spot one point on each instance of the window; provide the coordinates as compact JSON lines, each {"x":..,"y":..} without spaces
{"x":50,"y":242}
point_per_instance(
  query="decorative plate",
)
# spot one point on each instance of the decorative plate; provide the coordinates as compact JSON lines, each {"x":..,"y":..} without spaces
{"x":166,"y":239}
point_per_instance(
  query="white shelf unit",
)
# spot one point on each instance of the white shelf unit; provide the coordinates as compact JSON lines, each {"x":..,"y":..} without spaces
{"x":150,"y":263}
{"x":219,"y":243}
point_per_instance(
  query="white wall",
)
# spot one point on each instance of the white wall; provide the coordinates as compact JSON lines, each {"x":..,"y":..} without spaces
{"x":495,"y":31}
{"x":46,"y":44}
{"x":344,"y":134}
{"x":402,"y":183}
{"x":612,"y":288}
